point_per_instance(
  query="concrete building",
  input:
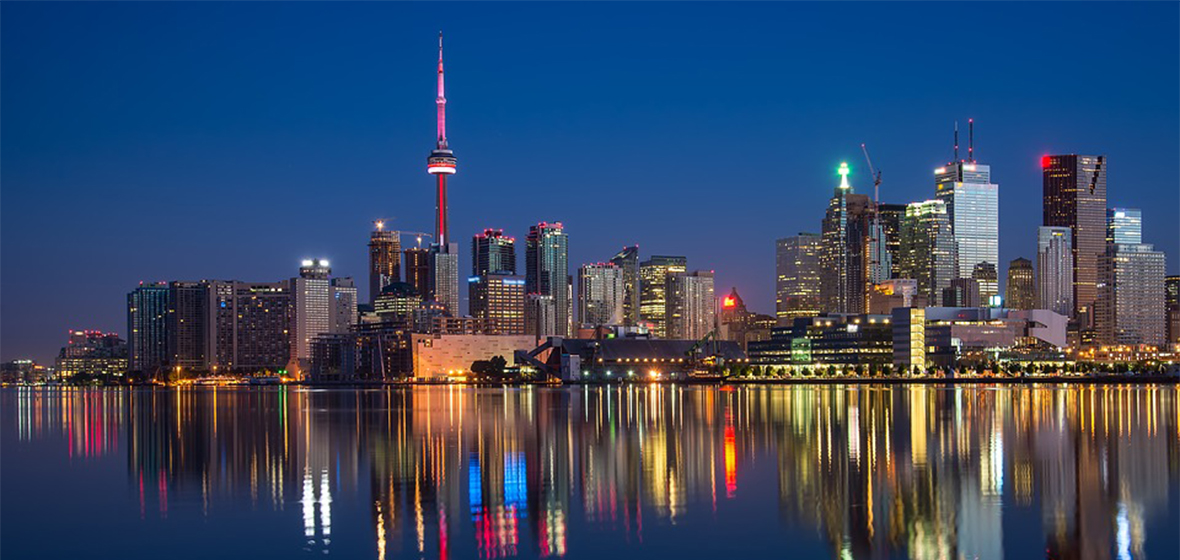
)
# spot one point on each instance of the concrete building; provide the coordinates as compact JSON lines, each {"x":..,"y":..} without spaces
{"x":251,"y":326}
{"x":1055,"y":289}
{"x":540,"y":315}
{"x":444,"y":276}
{"x":940,"y":336}
{"x":344,"y":304}
{"x":1074,"y":197}
{"x":836,"y":339}
{"x":92,"y":353}
{"x":547,"y":271}
{"x":440,"y":356}
{"x":498,"y":299}
{"x":891,"y":294}
{"x":601,"y":293}
{"x":691,"y":306}
{"x":1130,"y":308}
{"x":187,"y":326}
{"x":628,"y":260}
{"x":1172,"y":307}
{"x":417,"y":265}
{"x":1020,"y":291}
{"x":397,"y":302}
{"x":312,"y":314}
{"x":653,"y":278}
{"x":147,"y":328}
{"x":928,"y":248}
{"x":797,"y":276}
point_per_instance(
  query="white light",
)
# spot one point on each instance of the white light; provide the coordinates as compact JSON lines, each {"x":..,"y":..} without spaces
{"x":440,"y":169}
{"x":940,"y":171}
{"x":323,"y":263}
{"x":307,"y":262}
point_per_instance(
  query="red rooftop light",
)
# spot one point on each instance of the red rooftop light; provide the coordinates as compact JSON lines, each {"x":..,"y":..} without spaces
{"x":1045,"y":161}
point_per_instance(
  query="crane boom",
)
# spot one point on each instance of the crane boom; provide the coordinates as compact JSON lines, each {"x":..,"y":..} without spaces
{"x":876,"y":174}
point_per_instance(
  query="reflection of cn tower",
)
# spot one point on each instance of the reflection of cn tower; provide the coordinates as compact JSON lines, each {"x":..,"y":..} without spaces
{"x":442,"y":160}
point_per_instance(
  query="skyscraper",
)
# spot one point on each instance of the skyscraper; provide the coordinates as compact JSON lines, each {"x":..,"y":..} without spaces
{"x":312,"y":295}
{"x":188,"y":313}
{"x":344,"y":303}
{"x":653,"y":279}
{"x":1055,"y":269}
{"x":384,"y":259}
{"x":1074,"y":196}
{"x":1124,"y":226}
{"x":928,"y":248}
{"x":444,"y":258}
{"x":540,"y":315}
{"x":691,"y":308}
{"x":493,"y":252}
{"x":628,"y":260}
{"x":147,"y":328}
{"x":251,"y":325}
{"x":890,"y":216}
{"x":988,"y":278}
{"x":547,"y":271}
{"x":418,"y":271}
{"x":973,"y":207}
{"x":844,"y":260}
{"x":1172,"y":304}
{"x":797,"y":276}
{"x":601,"y":290}
{"x":1130,"y":308}
{"x":1020,"y":291}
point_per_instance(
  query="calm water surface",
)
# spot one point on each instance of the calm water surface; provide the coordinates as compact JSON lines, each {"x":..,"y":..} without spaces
{"x":632,"y":472}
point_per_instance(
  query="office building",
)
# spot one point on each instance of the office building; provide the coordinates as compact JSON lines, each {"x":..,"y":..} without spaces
{"x":691,"y":307}
{"x":1074,"y":196}
{"x":1124,"y":226}
{"x":1130,"y":308}
{"x":313,"y":307}
{"x":890,"y":216}
{"x":797,"y":276}
{"x":831,"y":339}
{"x":492,"y":252}
{"x":973,"y":208}
{"x":187,"y":325}
{"x":344,"y":304}
{"x":251,"y":326}
{"x":844,"y":261}
{"x":601,"y":292}
{"x":1021,"y":289}
{"x":628,"y":260}
{"x":963,"y":292}
{"x":499,"y":301}
{"x":1172,"y":307}
{"x":397,"y":302}
{"x":444,"y":276}
{"x":417,"y":264}
{"x":928,"y":248}
{"x":547,"y":274}
{"x":891,"y":294}
{"x":653,"y":283}
{"x":92,"y":353}
{"x":540,"y":315}
{"x":147,"y":328}
{"x":987,"y":277}
{"x":1055,"y":256}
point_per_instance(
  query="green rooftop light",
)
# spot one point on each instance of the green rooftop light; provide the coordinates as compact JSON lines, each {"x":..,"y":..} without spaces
{"x":843,"y":171}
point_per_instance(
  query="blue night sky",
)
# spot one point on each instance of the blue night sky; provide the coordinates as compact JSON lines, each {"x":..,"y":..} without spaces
{"x":160,"y":141}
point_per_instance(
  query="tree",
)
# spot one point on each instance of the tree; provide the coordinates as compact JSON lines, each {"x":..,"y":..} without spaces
{"x":491,"y":370}
{"x":831,"y":371}
{"x":887,"y":370}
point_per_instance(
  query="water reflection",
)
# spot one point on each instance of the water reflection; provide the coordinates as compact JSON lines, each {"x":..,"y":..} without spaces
{"x":868,"y":472}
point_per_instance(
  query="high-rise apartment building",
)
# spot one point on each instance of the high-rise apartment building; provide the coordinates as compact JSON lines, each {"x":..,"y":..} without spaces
{"x":540,"y":315}
{"x":628,"y":260}
{"x":417,"y":266}
{"x":1130,"y":308}
{"x":251,"y":325}
{"x":844,"y":258}
{"x":313,"y":310}
{"x":385,"y":250}
{"x":973,"y":207}
{"x":797,"y":276}
{"x":1074,"y":196}
{"x":928,"y":249}
{"x":1124,"y":226}
{"x":890,"y":216}
{"x":1021,"y":289}
{"x":499,"y":300}
{"x":691,"y":306}
{"x":344,"y":304}
{"x":444,"y":276}
{"x":147,"y":328}
{"x":653,"y":283}
{"x":547,"y":271}
{"x":187,"y":325}
{"x":1055,"y":288}
{"x":1172,"y":306}
{"x":601,"y":291}
{"x":492,"y":252}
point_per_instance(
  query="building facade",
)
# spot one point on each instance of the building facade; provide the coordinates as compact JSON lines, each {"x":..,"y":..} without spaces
{"x":973,"y":208}
{"x":92,"y":353}
{"x":653,"y":279}
{"x":147,"y":328}
{"x":1130,"y":308}
{"x":1074,"y":197}
{"x":1055,"y":287}
{"x":547,"y":271}
{"x":797,"y":276}
{"x":1172,"y":306}
{"x":844,"y":260}
{"x":1020,"y":292}
{"x":628,"y":260}
{"x":417,"y":265}
{"x":928,"y":248}
{"x":691,"y":305}
{"x":1124,"y":226}
{"x":499,"y":300}
{"x":601,"y":294}
{"x":492,"y":252}
{"x":385,"y":259}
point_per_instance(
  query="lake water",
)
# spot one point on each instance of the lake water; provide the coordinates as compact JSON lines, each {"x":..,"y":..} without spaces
{"x":1072,"y":471}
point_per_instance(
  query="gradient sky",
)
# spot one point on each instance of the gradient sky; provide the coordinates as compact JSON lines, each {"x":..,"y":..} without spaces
{"x":160,"y":141}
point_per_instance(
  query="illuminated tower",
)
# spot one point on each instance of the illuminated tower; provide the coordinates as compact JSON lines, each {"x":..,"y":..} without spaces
{"x":843,"y":262}
{"x":973,"y":206}
{"x":444,"y":257}
{"x":384,"y":259}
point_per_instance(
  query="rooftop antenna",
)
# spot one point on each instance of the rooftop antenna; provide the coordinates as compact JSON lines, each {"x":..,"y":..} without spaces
{"x":971,"y":140}
{"x":956,"y":141}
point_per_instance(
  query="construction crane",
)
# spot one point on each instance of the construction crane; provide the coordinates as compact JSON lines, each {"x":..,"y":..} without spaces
{"x":876,"y":175}
{"x":876,"y":236}
{"x":380,"y":224}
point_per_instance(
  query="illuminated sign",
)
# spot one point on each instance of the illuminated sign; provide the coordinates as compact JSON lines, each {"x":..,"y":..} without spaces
{"x":728,"y":302}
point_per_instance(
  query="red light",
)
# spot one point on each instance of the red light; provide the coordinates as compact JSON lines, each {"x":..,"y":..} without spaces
{"x":728,"y":302}
{"x":1045,"y":161}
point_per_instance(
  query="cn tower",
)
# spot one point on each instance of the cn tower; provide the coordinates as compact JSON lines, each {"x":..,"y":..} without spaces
{"x":442,"y":160}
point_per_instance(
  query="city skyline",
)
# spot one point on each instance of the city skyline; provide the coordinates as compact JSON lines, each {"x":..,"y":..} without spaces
{"x":483,"y":197}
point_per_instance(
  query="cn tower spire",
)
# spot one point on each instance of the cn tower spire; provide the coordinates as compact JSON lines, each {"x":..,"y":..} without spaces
{"x":441,"y":101}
